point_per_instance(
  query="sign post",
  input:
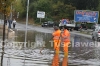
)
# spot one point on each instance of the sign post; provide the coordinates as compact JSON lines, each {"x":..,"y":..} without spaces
{"x":86,"y":16}
{"x":40,"y":14}
{"x":40,"y":20}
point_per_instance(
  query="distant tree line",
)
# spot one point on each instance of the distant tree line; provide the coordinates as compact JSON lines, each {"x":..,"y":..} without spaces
{"x":55,"y":9}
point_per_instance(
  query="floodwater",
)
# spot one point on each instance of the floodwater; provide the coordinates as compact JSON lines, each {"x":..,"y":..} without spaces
{"x":39,"y":51}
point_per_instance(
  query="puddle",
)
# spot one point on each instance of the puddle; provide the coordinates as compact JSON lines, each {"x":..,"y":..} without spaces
{"x":35,"y":55}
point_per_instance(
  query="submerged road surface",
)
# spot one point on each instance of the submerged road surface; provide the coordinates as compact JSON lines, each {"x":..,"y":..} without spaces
{"x":82,"y":51}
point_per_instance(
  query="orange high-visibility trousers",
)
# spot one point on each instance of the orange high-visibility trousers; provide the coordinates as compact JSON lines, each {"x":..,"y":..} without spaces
{"x":65,"y":47}
{"x":57,"y":45}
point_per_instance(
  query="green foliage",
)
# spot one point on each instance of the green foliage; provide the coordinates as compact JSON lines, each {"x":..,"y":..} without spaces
{"x":63,"y":11}
{"x":55,"y":9}
{"x":85,"y":4}
{"x":18,"y":6}
{"x":40,"y":5}
{"x":5,"y":6}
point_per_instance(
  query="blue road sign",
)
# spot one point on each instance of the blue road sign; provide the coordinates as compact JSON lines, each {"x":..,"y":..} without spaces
{"x":86,"y":16}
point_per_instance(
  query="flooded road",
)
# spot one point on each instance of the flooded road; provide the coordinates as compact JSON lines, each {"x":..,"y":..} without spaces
{"x":39,"y":51}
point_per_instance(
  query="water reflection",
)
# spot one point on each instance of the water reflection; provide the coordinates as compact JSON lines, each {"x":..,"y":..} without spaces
{"x":32,"y":54}
{"x":78,"y":56}
{"x":65,"y":61}
{"x":2,"y":56}
{"x":11,"y":36}
{"x":56,"y":61}
{"x":83,"y":51}
{"x":35,"y":39}
{"x":2,"y":44}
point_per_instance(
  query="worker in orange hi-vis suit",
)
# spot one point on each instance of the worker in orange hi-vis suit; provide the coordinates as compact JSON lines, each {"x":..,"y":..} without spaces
{"x":56,"y":39}
{"x":55,"y":61}
{"x":66,"y":40}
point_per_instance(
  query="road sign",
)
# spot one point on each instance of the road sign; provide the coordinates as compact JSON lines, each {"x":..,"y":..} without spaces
{"x":86,"y":16}
{"x":40,"y":14}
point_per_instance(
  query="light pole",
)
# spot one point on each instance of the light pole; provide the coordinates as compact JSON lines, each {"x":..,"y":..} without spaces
{"x":26,"y":24}
{"x":26,"y":29}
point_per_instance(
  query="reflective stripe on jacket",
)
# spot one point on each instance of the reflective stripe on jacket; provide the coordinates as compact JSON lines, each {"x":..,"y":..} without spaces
{"x":56,"y":35}
{"x":66,"y":35}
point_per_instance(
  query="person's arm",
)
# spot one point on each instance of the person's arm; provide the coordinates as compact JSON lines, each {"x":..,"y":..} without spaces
{"x":67,"y":35}
{"x":54,"y":33}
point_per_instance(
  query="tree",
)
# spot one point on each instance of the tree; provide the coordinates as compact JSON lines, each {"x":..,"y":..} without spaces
{"x":19,"y":7}
{"x":61,"y":10}
{"x":85,"y":4}
{"x":56,"y":9}
{"x":40,"y":5}
{"x":5,"y":9}
{"x":5,"y":6}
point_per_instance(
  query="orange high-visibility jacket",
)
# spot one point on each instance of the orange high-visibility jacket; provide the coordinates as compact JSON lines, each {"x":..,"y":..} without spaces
{"x":66,"y":35}
{"x":56,"y":35}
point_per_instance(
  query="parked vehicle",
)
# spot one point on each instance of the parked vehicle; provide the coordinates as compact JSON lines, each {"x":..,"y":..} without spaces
{"x":96,"y":34}
{"x":84,"y":26}
{"x":70,"y":25}
{"x":77,"y":27}
{"x":48,"y":24}
{"x":45,"y":24}
{"x":95,"y":26}
{"x":80,"y":26}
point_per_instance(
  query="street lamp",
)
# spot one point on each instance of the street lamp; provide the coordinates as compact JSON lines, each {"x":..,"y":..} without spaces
{"x":26,"y":24}
{"x":26,"y":28}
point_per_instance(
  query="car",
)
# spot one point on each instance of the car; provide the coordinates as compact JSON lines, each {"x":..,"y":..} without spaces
{"x":77,"y":27}
{"x":95,"y":26}
{"x":45,"y":24}
{"x":84,"y":26}
{"x":96,"y":34}
{"x":48,"y":24}
{"x":69,"y":24}
{"x":80,"y":26}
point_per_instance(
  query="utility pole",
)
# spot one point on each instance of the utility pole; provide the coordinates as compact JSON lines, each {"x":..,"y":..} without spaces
{"x":26,"y":29}
{"x":26,"y":24}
